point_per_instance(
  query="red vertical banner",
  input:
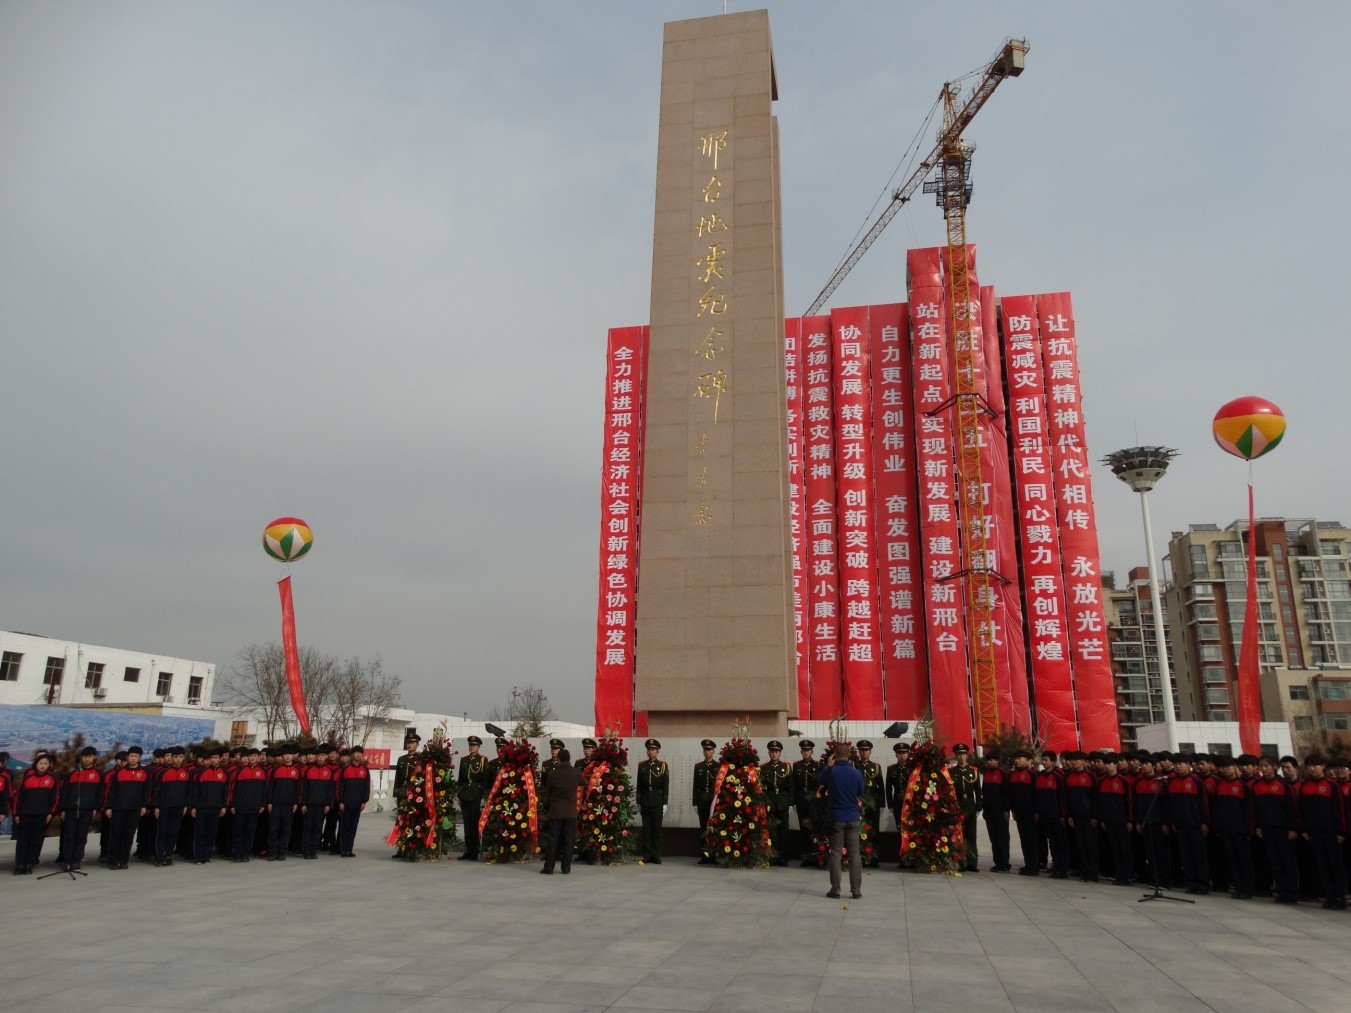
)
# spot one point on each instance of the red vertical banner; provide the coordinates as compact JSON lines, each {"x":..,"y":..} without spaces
{"x":1249,"y":688}
{"x":292,"y":655}
{"x":1010,"y":641}
{"x":860,"y":641}
{"x":1034,"y":483}
{"x":944,"y":618}
{"x":823,"y":573}
{"x":1093,"y":686}
{"x":797,"y":509}
{"x":620,"y":488}
{"x":895,"y":513}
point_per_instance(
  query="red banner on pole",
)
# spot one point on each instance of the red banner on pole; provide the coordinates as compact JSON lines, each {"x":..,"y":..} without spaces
{"x":860,"y":642}
{"x":823,"y":574}
{"x":292,"y":654}
{"x":1042,"y":575}
{"x":944,"y":610}
{"x":1249,"y":689}
{"x":905,"y":672}
{"x":1093,"y":684}
{"x":797,"y":510}
{"x":620,"y":488}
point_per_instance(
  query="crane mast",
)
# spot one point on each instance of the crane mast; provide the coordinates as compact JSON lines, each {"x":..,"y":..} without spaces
{"x":951,"y":185}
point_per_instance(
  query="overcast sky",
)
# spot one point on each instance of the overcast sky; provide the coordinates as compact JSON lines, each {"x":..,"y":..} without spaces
{"x":356,"y":262}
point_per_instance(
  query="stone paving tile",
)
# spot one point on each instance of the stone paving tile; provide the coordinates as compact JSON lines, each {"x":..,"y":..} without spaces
{"x":649,"y":997}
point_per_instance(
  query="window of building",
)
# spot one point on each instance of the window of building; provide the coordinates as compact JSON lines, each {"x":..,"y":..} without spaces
{"x":1323,"y":654}
{"x":1302,"y":724}
{"x":1329,"y":548}
{"x":1218,"y":715}
{"x":1203,"y":611}
{"x":238,"y":731}
{"x":1340,"y":589}
{"x":1210,"y":652}
{"x":55,"y":667}
{"x":1213,"y":675}
{"x":1186,"y":747}
{"x":1220,"y":749}
{"x":130,"y":674}
{"x":1217,"y":697}
{"x":1299,"y":692}
{"x":9,"y":666}
{"x":93,"y":675}
{"x":1283,"y":590}
{"x":1269,"y":750}
{"x":1337,"y":722}
{"x":1270,"y":653}
{"x":164,"y":685}
{"x":195,"y":689}
{"x":1277,"y":552}
{"x":1208,"y":631}
{"x":1339,"y":690}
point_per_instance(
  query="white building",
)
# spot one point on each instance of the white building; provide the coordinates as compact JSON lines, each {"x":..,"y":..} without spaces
{"x":39,"y":670}
{"x":1219,"y":737}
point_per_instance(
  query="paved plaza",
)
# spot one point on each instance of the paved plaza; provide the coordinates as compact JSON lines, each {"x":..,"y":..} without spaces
{"x":370,"y":934}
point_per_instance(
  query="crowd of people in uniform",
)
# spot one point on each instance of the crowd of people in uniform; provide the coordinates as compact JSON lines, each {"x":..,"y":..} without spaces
{"x":1252,"y":826}
{"x":191,"y":804}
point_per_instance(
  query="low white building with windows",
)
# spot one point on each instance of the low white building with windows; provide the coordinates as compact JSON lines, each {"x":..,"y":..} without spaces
{"x":39,"y":670}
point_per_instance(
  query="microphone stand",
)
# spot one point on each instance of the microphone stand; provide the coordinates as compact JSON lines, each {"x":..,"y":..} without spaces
{"x":66,"y":869}
{"x":1158,"y":893}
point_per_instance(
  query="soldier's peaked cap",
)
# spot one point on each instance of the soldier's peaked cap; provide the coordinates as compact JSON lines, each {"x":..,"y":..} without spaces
{"x":708,"y":744}
{"x":960,"y":747}
{"x":806,"y":744}
{"x":864,"y":744}
{"x":555,"y":743}
{"x":900,"y":747}
{"x":651,"y":744}
{"x":474,"y":740}
{"x":775,"y":745}
{"x":411,"y":737}
{"x":589,"y":742}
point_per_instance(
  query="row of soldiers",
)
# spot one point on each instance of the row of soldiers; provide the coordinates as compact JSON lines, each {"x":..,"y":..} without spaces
{"x":1252,"y":825}
{"x":236,"y":802}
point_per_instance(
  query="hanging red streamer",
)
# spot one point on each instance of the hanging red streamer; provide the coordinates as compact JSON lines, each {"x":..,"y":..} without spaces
{"x":1249,"y":693}
{"x":288,"y":643}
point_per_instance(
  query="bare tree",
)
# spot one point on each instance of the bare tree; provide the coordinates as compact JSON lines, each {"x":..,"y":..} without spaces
{"x":343,"y":699}
{"x":362,"y":695}
{"x":527,"y":710}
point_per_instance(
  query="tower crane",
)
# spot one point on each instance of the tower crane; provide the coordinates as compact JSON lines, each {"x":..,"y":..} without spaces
{"x":951,"y":186}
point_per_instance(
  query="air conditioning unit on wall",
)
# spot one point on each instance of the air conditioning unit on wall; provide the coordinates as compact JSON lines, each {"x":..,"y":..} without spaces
{"x":99,"y":692}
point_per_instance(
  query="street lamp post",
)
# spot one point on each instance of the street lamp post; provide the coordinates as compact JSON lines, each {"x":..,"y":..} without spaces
{"x":1141,"y":468}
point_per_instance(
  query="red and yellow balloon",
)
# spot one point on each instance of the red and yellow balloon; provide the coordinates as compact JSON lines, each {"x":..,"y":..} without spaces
{"x":287,"y":539}
{"x":1248,"y":427}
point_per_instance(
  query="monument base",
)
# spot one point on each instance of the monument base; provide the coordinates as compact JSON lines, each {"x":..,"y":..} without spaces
{"x":715,"y":724}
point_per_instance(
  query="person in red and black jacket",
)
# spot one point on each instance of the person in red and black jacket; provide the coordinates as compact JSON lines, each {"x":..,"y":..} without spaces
{"x":1339,"y":769}
{"x":1276,"y":822}
{"x":35,"y":801}
{"x":80,"y":795}
{"x":283,"y":799}
{"x":994,"y":803}
{"x":124,"y":803}
{"x":304,"y":760}
{"x":1049,"y":786}
{"x":1022,"y":800}
{"x":1112,"y":802}
{"x":169,"y":799}
{"x":209,"y":796}
{"x":1081,"y":809}
{"x":1188,"y":815}
{"x":318,"y":797}
{"x":1149,"y":814}
{"x":1322,"y":822}
{"x":354,"y":791}
{"x":337,"y":759}
{"x":1231,"y":824}
{"x":248,"y":795}
{"x":6,"y":788}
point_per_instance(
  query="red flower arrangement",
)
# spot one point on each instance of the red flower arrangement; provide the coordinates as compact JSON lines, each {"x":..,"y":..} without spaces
{"x":931,"y":817}
{"x":605,"y":808}
{"x":424,"y":818}
{"x":509,"y":826}
{"x":737,"y":836}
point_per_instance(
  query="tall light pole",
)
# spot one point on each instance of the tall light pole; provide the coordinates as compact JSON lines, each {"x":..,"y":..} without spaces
{"x":1141,"y":468}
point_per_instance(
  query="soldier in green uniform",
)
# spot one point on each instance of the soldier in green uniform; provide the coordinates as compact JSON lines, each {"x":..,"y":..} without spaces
{"x":555,"y":747}
{"x":966,"y":779}
{"x":654,"y":791}
{"x":776,"y":777}
{"x":874,"y":798}
{"x":495,"y":764}
{"x":588,"y":747}
{"x":898,"y":777}
{"x":804,"y":790}
{"x":473,"y":782}
{"x":411,"y":741}
{"x":705,"y":774}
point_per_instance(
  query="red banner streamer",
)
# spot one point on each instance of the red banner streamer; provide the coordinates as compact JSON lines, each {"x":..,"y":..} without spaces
{"x":288,"y":643}
{"x":1249,"y":694}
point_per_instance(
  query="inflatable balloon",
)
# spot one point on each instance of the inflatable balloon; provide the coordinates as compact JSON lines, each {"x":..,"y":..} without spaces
{"x":287,"y":539}
{"x":1248,"y":427}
